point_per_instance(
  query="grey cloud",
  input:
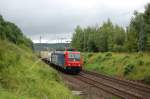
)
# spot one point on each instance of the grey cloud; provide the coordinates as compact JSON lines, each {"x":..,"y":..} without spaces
{"x":60,"y":17}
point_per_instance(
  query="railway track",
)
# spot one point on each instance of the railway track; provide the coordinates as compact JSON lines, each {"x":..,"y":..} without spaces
{"x":122,"y":88}
{"x":118,"y":87}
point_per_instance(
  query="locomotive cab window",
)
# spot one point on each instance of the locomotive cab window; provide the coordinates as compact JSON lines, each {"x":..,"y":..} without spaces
{"x":74,"y":57}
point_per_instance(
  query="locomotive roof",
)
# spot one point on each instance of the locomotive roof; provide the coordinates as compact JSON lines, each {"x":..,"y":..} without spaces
{"x":66,"y":49}
{"x":63,"y":52}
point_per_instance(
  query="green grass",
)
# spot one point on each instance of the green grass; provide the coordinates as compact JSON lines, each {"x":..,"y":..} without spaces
{"x":24,"y":76}
{"x":115,"y":97}
{"x":133,"y":66}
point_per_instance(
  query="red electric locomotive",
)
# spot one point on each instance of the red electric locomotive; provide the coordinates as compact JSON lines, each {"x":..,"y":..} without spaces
{"x":70,"y":60}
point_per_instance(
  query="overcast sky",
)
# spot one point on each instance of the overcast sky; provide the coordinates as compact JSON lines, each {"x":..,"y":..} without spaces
{"x":55,"y":20}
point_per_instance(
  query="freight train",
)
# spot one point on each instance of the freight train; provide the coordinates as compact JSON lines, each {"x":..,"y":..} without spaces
{"x":69,"y":60}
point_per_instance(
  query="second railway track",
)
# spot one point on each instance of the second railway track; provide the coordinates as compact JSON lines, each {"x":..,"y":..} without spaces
{"x":122,"y":88}
{"x":118,"y":87}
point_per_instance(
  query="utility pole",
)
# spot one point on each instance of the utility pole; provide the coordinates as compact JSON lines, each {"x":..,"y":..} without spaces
{"x":61,"y":39}
{"x":40,"y":46}
{"x":84,"y":45}
{"x":67,"y":44}
{"x":40,"y":39}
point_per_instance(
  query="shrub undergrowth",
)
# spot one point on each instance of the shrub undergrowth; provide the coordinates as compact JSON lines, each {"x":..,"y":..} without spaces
{"x":24,"y":76}
{"x":133,"y":66}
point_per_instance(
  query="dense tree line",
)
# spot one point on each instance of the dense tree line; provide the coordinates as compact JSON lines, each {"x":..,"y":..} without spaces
{"x":108,"y":37}
{"x":112,"y":37}
{"x":10,"y":32}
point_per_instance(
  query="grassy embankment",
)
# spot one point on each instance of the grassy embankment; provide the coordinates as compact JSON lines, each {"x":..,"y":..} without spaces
{"x":24,"y":76}
{"x":133,"y":66}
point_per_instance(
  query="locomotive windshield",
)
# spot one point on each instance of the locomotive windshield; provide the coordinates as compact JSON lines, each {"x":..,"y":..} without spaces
{"x":74,"y":57}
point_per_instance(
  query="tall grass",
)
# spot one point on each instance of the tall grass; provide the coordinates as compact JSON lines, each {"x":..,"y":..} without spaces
{"x":133,"y":66}
{"x":24,"y":76}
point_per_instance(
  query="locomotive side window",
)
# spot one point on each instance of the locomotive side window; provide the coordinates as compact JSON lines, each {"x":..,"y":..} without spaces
{"x":74,"y":57}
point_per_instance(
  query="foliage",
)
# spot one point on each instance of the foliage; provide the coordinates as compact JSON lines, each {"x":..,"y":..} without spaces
{"x":128,"y":69}
{"x":138,"y":32}
{"x":146,"y":17}
{"x":103,"y":38}
{"x":147,"y":79}
{"x":108,"y":54}
{"x":133,"y":66}
{"x":24,"y":76}
{"x":90,"y":55}
{"x":111,"y":37}
{"x":10,"y":32}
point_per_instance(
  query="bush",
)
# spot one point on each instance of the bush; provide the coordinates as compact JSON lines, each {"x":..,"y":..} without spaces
{"x":128,"y":68}
{"x":140,"y":54}
{"x":102,"y":68}
{"x":108,"y":54}
{"x":23,"y":76}
{"x":147,"y":80}
{"x":90,"y":55}
{"x":97,"y":59}
{"x":147,"y":63}
{"x":126,"y":57}
{"x":12,"y":33}
{"x":118,"y":48}
{"x":140,"y":62}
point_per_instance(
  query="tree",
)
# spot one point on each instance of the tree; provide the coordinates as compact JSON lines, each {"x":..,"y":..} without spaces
{"x":139,"y":31}
{"x":107,"y":37}
{"x":9,"y":31}
{"x":136,"y":34}
{"x":78,"y":38}
{"x":110,"y":37}
{"x":146,"y":18}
